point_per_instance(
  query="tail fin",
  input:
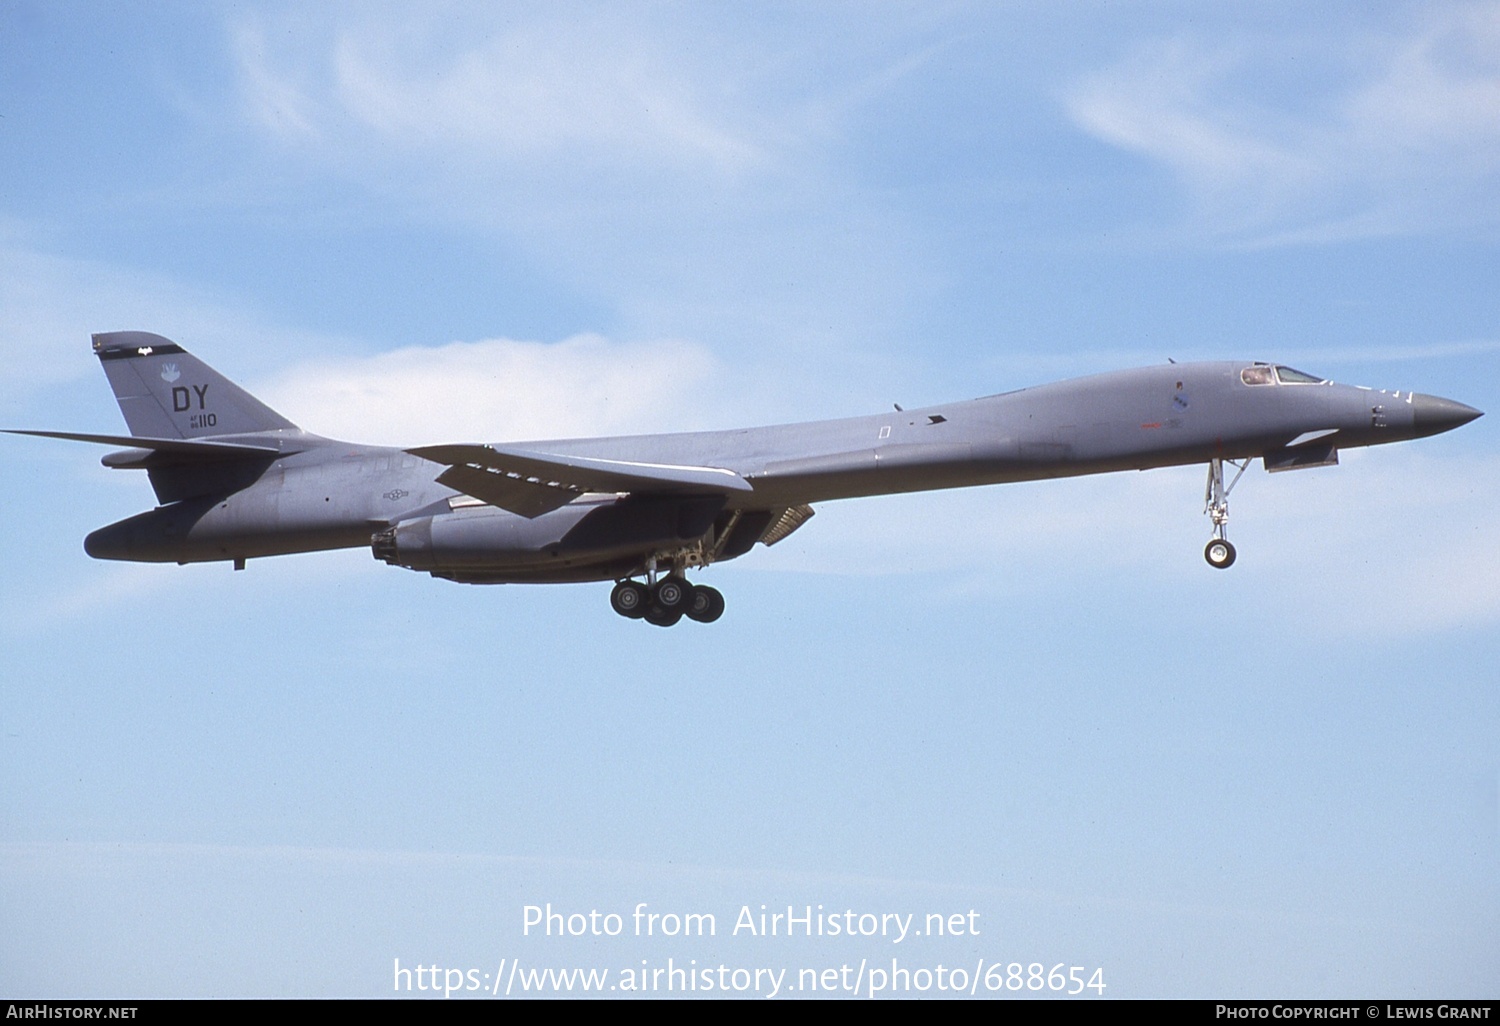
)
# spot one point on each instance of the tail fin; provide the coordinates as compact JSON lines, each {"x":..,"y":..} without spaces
{"x":165,"y":392}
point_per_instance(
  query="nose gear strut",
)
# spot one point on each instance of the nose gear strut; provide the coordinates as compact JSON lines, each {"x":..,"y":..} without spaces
{"x":1219,"y":552}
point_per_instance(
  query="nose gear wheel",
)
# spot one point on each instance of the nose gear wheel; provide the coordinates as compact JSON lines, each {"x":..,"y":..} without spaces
{"x":1219,"y":553}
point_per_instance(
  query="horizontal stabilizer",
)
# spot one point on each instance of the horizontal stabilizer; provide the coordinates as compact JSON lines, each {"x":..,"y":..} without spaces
{"x":532,"y":483}
{"x":178,"y":446}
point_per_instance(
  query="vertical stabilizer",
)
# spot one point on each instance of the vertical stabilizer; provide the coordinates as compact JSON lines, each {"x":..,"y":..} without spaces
{"x":165,"y":392}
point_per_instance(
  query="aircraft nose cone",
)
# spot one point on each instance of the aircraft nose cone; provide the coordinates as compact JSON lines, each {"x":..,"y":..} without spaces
{"x":1433,"y":414}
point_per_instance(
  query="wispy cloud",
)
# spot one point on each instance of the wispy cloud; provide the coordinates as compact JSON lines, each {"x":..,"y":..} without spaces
{"x":573,"y":89}
{"x":54,"y":303}
{"x":685,"y":176}
{"x":1396,"y":134}
{"x":113,"y":587}
{"x":1398,"y":353}
{"x":595,"y":88}
{"x":271,"y":98}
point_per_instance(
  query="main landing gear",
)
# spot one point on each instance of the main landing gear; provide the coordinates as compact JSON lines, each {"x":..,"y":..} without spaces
{"x":667,"y":601}
{"x":1219,"y":552}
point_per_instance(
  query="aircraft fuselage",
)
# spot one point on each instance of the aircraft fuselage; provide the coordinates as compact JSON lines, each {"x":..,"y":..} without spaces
{"x":320,"y":494}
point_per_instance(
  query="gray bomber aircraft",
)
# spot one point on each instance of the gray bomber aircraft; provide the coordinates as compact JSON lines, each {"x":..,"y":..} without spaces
{"x":236,"y":480}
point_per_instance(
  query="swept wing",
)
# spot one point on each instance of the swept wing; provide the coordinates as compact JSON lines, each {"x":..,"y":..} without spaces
{"x":531,"y":483}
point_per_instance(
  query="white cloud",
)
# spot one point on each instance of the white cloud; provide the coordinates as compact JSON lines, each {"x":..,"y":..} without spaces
{"x":1408,"y":140}
{"x":1394,"y":541}
{"x":1001,"y":528}
{"x":501,"y":389}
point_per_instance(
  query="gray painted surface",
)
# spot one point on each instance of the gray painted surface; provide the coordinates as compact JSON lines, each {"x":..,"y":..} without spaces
{"x":237,"y":480}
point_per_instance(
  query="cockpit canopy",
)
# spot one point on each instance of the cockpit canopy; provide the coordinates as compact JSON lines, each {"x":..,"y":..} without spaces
{"x":1266,"y":374}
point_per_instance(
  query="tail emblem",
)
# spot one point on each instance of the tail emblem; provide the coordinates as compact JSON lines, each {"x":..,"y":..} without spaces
{"x":169,"y":372}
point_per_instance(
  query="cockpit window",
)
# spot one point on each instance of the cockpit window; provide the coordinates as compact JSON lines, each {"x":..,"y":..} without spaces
{"x":1260,"y":374}
{"x":1289,"y":376}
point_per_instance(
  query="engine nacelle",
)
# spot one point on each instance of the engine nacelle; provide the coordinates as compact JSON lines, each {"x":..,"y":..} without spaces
{"x":484,"y":543}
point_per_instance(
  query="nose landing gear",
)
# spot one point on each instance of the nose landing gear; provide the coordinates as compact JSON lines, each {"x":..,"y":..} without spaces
{"x":1219,"y":552}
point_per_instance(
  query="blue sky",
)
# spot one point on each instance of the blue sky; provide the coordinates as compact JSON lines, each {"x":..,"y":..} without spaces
{"x":1037,"y":702}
